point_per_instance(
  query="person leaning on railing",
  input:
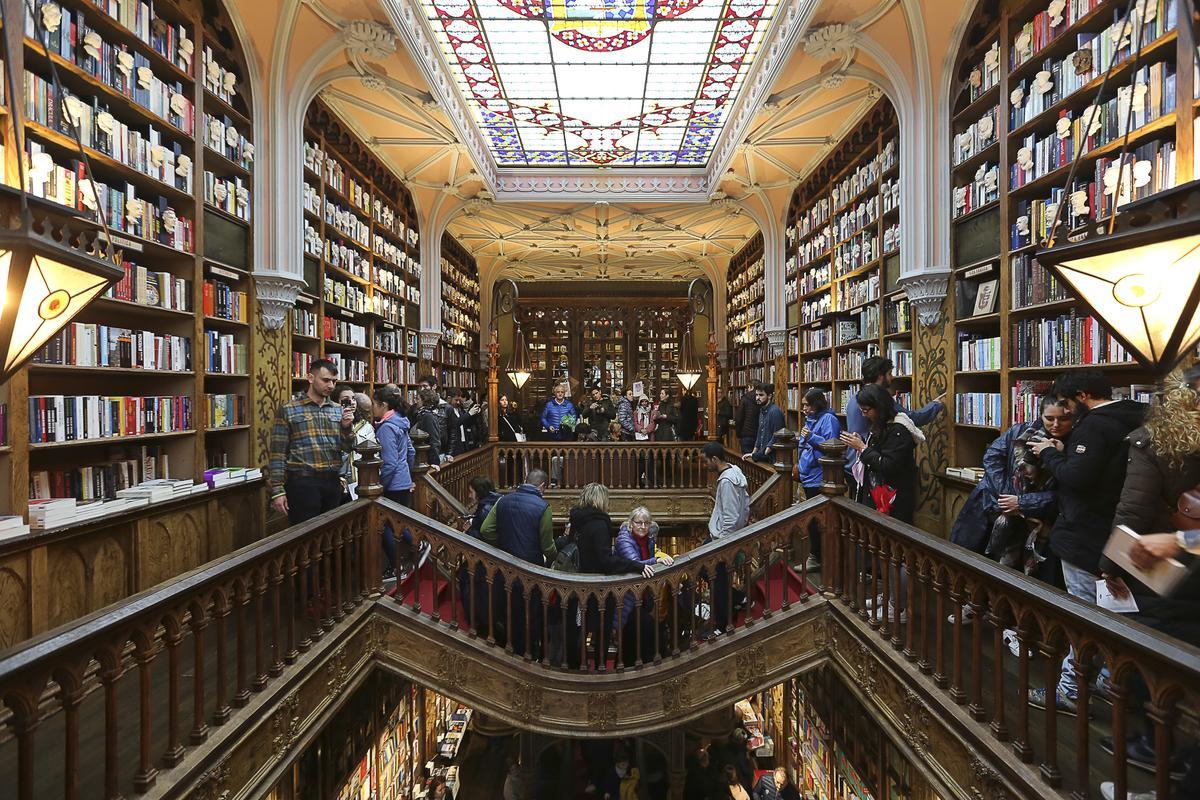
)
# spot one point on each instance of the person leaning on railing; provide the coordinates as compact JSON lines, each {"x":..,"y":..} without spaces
{"x":1161,"y":492}
{"x":820,"y":425}
{"x":637,"y":540}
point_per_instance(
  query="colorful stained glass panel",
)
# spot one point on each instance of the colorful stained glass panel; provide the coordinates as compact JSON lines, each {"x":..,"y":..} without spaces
{"x":600,"y":82}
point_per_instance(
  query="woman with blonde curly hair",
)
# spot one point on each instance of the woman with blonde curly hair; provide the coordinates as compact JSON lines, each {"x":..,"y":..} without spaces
{"x":1164,"y":465}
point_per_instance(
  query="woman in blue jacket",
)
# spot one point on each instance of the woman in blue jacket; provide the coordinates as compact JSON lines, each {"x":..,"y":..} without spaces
{"x":396,"y":452}
{"x":820,"y":425}
{"x":636,"y":541}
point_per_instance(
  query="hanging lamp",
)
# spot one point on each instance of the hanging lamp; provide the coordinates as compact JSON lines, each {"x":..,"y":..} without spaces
{"x":49,"y":271}
{"x":1142,"y":279}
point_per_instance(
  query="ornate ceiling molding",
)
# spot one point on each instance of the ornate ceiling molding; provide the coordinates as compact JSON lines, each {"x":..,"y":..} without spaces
{"x":588,"y":185}
{"x":789,"y":23}
{"x":409,"y":21}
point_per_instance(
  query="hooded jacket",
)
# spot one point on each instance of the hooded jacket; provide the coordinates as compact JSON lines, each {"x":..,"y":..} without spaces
{"x":890,"y":459}
{"x":592,"y":531}
{"x":974,"y":521}
{"x":822,"y":428}
{"x":731,"y":505}
{"x":1090,"y":473}
{"x":625,"y":417}
{"x":397,"y":453}
{"x":1148,"y":499}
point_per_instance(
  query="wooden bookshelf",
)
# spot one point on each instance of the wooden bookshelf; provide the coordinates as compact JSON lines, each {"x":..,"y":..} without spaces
{"x":1026,"y":85}
{"x":361,"y":263}
{"x":456,"y":357}
{"x":180,"y":142}
{"x":842,"y":262}
{"x":745,"y":325}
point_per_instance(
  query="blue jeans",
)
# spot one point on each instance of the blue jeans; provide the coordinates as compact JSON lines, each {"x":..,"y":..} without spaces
{"x":1082,"y":584}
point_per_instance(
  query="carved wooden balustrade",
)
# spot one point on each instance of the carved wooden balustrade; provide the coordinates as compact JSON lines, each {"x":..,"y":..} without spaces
{"x":947,"y":617}
{"x":168,"y":668}
{"x":631,"y":468}
{"x":186,"y":653}
{"x":598,"y":623}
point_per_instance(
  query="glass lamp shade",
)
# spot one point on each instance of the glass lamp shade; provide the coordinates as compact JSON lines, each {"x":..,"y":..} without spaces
{"x":688,"y":371}
{"x":518,"y":370}
{"x":1144,"y":284}
{"x":47,"y":283}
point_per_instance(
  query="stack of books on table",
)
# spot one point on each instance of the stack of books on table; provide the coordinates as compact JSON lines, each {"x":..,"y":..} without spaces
{"x":225,"y":476}
{"x":160,"y":490}
{"x":974,"y":474}
{"x":59,"y":511}
{"x":11,"y":527}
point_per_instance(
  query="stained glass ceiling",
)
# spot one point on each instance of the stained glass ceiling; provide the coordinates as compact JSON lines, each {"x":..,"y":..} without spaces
{"x":600,"y":82}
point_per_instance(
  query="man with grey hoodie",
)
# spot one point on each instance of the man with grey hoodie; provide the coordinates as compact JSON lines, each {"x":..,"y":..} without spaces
{"x":731,"y":512}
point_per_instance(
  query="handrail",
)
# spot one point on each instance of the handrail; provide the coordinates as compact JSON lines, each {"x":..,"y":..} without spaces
{"x":258,"y":609}
{"x":930,"y":580}
{"x":254,"y":610}
{"x":481,"y":591}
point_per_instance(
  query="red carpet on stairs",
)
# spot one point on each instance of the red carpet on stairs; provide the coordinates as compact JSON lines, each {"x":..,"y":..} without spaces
{"x":431,"y":590}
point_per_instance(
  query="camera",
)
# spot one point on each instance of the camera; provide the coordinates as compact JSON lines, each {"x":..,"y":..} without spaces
{"x":347,"y":402}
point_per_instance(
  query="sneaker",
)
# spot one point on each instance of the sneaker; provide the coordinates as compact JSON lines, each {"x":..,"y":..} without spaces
{"x":812,"y":564}
{"x":1012,"y":642}
{"x":1066,"y":704}
{"x":870,"y":603}
{"x":1139,"y":753}
{"x":1108,"y":790}
{"x":968,"y":615}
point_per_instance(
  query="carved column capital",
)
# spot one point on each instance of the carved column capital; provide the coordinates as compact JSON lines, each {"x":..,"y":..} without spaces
{"x":776,"y":341}
{"x":429,"y":340}
{"x":926,"y":290}
{"x":276,"y":293}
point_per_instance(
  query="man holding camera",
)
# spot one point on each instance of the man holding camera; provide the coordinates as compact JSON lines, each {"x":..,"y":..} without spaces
{"x":308,"y":438}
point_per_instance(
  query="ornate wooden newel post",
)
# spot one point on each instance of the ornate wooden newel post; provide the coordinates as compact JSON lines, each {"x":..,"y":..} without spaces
{"x":369,"y":488}
{"x":833,"y":470}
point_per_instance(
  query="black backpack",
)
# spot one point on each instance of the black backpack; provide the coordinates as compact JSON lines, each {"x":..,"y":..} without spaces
{"x":567,"y":559}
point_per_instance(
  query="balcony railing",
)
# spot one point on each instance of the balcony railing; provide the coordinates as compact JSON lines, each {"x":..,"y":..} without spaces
{"x":167,"y":668}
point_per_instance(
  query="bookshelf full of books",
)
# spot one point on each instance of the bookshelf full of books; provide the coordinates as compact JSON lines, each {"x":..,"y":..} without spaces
{"x":1024,"y":111}
{"x":745,"y":324}
{"x":456,"y":357}
{"x":842,"y":256}
{"x":152,"y":381}
{"x":361,"y":308}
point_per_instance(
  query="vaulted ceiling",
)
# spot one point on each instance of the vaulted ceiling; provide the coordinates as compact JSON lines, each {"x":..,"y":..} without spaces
{"x":371,"y":79}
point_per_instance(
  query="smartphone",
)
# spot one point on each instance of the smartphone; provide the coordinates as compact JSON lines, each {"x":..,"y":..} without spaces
{"x":347,"y":402}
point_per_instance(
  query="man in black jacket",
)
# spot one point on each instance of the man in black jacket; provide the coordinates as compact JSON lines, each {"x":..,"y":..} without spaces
{"x":599,"y":412}
{"x":745,"y":420}
{"x":1089,"y":469}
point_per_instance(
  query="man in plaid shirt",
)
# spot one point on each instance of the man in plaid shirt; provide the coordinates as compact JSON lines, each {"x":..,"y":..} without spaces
{"x":307,"y":441}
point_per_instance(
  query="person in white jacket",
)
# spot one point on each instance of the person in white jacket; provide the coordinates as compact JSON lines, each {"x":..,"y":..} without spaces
{"x":731,"y":512}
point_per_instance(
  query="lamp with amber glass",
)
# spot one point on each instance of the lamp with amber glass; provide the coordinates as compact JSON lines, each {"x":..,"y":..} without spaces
{"x":1143,"y":279}
{"x":47,"y":282}
{"x":518,"y":366}
{"x":689,"y":368}
{"x":49,"y":271}
{"x":1142,"y":276}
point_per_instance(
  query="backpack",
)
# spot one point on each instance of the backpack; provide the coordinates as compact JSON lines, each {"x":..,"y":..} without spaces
{"x":567,"y":559}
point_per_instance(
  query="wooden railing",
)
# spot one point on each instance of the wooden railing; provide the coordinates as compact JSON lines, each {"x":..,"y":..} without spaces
{"x":244,"y":616}
{"x":669,"y":466}
{"x":168,"y":666}
{"x":601,"y":623}
{"x":948,"y":615}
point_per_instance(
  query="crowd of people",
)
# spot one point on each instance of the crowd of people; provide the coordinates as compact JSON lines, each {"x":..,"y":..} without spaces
{"x":1053,"y":488}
